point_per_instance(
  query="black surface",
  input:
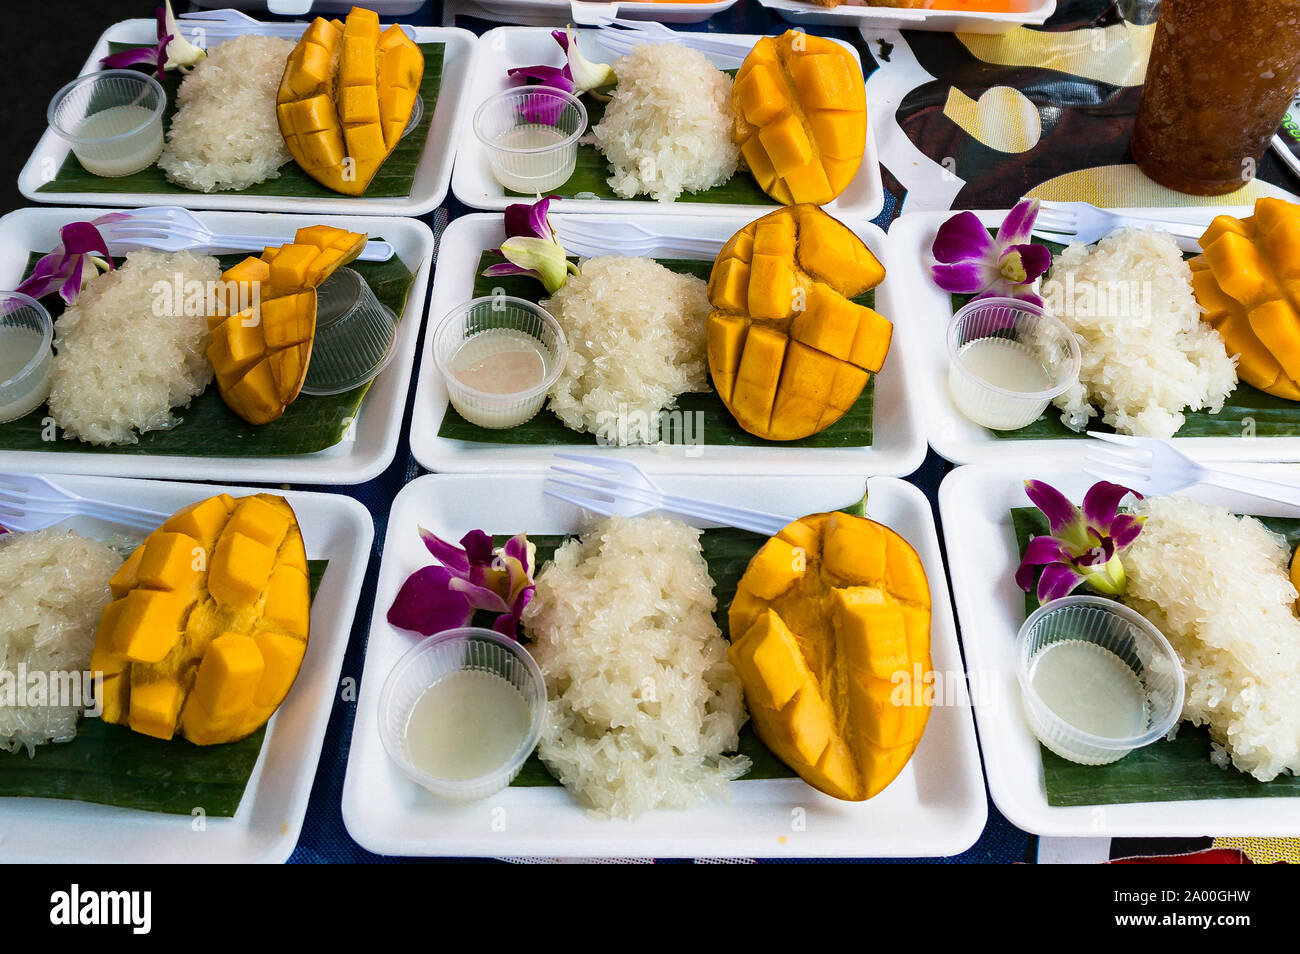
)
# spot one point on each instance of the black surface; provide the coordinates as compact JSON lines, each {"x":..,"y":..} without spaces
{"x":46,"y":43}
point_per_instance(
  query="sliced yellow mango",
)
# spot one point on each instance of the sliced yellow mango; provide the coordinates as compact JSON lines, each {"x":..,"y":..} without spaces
{"x":801,"y":117}
{"x":788,"y":351}
{"x":829,"y":660}
{"x":1248,"y":282}
{"x":346,"y":97}
{"x":210,"y":622}
{"x":261,"y":354}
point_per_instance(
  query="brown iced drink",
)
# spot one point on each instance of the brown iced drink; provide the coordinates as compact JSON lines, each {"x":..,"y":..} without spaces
{"x":1221,"y":75}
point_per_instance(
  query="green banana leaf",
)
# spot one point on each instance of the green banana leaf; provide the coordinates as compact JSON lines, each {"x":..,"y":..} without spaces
{"x":1165,"y":771}
{"x":207,"y":427}
{"x":590,"y":179}
{"x":111,"y":765}
{"x":394,"y":178}
{"x":702,"y":414}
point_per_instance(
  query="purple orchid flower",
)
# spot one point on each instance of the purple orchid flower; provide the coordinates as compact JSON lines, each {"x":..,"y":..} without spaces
{"x":578,"y":75}
{"x":970,"y":261}
{"x":473,"y":576}
{"x":532,"y":247}
{"x":1083,"y":545}
{"x":172,"y":51}
{"x":81,"y":254}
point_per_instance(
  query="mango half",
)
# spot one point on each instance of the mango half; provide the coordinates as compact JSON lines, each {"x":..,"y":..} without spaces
{"x":830,"y":633}
{"x":345,"y":98}
{"x":209,"y":622}
{"x":801,"y":117}
{"x":260,"y":353}
{"x":1248,"y":282}
{"x":788,"y":351}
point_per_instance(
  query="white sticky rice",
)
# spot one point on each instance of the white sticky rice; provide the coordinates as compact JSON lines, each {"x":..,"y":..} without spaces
{"x":1147,"y":356}
{"x":53,"y":588}
{"x":1217,"y":586}
{"x":224,"y":134}
{"x":636,"y":334}
{"x":129,"y":350}
{"x":642,"y":700}
{"x":667,"y":129}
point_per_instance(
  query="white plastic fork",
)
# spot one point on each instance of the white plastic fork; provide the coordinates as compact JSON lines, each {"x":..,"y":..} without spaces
{"x":169,"y":228}
{"x":590,"y":235}
{"x":623,"y":41}
{"x":1153,"y":467}
{"x":29,"y":502}
{"x":1067,"y":222}
{"x":210,"y":27}
{"x":613,"y":487}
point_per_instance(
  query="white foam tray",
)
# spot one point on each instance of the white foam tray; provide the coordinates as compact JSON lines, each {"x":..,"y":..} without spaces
{"x":427,"y":191}
{"x":898,"y":442}
{"x":507,"y":47}
{"x":936,"y":806}
{"x":363,"y":453}
{"x":266,"y":826}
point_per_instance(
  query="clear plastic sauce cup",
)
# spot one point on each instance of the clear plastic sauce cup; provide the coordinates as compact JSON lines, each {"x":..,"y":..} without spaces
{"x":530,"y":135}
{"x":1007,"y":359}
{"x":521,"y":338}
{"x":355,"y":333}
{"x":1097,"y":680}
{"x":26,"y":355}
{"x":113,"y":121}
{"x":470,"y":727}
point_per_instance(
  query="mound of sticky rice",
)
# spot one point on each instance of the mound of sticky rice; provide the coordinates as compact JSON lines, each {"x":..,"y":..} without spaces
{"x":1147,"y":356}
{"x":53,"y":588}
{"x":636,"y":334}
{"x":1217,"y":586}
{"x":642,"y":701}
{"x":131,"y":349}
{"x":224,"y":134}
{"x":667,"y":129}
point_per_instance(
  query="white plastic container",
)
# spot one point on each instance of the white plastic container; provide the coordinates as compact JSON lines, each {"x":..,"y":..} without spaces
{"x":112,"y":120}
{"x":459,"y":650}
{"x":1115,"y":633}
{"x":483,"y":325}
{"x":1007,"y":359}
{"x":530,"y":135}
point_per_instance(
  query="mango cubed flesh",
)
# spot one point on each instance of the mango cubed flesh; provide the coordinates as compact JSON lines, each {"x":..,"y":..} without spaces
{"x":801,"y":119}
{"x":256,"y":379}
{"x":170,"y":561}
{"x":210,"y":632}
{"x":871,"y":631}
{"x":155,"y":708}
{"x":775,"y":568}
{"x":124,"y":579}
{"x":240,"y":569}
{"x":148,"y":624}
{"x":769,"y":656}
{"x":287,"y":598}
{"x":282,"y":657}
{"x":833,"y":696}
{"x":346,"y":98}
{"x":808,"y":724}
{"x":788,"y":352}
{"x":854,"y":550}
{"x":744,"y":611}
{"x":726,"y":342}
{"x":1250,"y":291}
{"x":228,"y":676}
